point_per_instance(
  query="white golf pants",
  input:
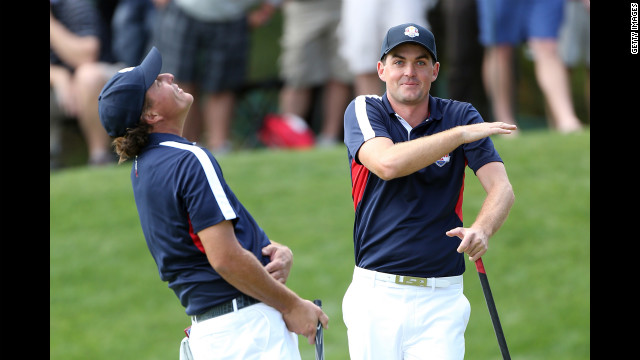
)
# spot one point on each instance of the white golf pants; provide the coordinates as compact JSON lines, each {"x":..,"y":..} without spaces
{"x":387,"y":321}
{"x":256,"y":332}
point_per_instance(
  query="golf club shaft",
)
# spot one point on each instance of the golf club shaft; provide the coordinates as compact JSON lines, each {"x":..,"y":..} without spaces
{"x":493,"y":312}
{"x":319,"y":336}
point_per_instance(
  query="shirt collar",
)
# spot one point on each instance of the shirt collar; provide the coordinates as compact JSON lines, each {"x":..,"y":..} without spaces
{"x":157,"y":138}
{"x":435,"y":112}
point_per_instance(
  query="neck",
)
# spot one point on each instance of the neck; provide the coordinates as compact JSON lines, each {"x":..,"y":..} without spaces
{"x":160,"y":128}
{"x":413,"y":114}
{"x":170,"y":126}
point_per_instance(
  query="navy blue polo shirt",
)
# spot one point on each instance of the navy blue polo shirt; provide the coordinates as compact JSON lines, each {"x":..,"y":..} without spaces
{"x":400,"y":225}
{"x":179,"y":190}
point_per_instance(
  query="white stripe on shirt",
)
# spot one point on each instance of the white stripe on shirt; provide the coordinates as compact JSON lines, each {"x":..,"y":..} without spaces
{"x":363,"y":118}
{"x":212,"y":177}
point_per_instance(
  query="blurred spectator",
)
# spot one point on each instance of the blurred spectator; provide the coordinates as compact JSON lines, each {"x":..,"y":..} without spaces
{"x":131,"y":29}
{"x":364,"y":24}
{"x":80,"y":64}
{"x":309,"y":59}
{"x":464,"y":54}
{"x":574,"y":40}
{"x":504,"y":25}
{"x":205,"y":44}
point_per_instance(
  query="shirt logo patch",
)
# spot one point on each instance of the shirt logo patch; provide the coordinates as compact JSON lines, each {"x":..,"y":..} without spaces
{"x":411,"y":31}
{"x":443,"y":160}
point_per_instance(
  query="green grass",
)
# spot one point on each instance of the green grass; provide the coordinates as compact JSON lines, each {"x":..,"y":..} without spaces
{"x":107,"y":301}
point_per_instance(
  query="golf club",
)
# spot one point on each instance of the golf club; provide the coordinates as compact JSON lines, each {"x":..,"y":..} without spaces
{"x":493,"y":312}
{"x":319,"y":336}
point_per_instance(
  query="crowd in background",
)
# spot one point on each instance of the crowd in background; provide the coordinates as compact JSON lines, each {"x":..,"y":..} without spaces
{"x":325,"y":44}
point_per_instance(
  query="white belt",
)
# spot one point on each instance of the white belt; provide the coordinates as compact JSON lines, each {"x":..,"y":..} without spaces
{"x":440,"y":282}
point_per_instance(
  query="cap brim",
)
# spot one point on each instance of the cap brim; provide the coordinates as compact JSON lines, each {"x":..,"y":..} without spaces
{"x":151,"y":66}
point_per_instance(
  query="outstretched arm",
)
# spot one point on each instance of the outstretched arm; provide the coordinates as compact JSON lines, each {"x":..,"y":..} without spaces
{"x":389,"y":161}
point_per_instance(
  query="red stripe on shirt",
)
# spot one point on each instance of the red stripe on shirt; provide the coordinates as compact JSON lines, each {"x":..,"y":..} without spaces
{"x":459,"y":204}
{"x":195,"y":238}
{"x":359,"y":176}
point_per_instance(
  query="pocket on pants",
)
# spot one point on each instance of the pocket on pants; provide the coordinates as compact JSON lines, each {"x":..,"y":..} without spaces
{"x":347,"y":301}
{"x":466,"y":313}
{"x":241,"y":335}
{"x":185,"y":350}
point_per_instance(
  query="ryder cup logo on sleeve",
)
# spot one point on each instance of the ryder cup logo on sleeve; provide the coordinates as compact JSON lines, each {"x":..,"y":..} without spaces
{"x":443,"y":160}
{"x":411,"y":31}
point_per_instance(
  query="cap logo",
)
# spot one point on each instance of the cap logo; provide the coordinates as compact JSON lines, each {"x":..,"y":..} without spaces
{"x":126,"y":69}
{"x":411,"y":31}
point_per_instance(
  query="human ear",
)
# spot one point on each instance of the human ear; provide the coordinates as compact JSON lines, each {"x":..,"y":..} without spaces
{"x":381,"y":73}
{"x":150,"y":117}
{"x":436,"y":70}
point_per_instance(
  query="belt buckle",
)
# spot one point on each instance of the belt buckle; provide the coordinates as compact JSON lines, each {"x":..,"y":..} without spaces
{"x":410,"y":280}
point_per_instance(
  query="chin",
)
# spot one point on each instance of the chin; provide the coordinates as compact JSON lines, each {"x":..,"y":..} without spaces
{"x":413,"y":99}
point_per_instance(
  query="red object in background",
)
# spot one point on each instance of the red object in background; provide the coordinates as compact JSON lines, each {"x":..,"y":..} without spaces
{"x":285,"y":131}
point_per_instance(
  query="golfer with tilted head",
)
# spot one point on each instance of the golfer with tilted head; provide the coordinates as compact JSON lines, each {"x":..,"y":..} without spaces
{"x":227,"y":273}
{"x":407,"y":154}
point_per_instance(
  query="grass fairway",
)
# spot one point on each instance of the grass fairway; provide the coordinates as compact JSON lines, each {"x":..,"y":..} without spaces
{"x":107,"y":301}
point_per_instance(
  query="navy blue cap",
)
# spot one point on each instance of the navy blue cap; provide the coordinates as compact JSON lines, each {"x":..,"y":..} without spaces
{"x":409,"y":33}
{"x":122,"y":97}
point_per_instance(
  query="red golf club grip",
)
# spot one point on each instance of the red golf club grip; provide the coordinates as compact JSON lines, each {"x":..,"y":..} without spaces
{"x":480,"y":266}
{"x":493,"y":312}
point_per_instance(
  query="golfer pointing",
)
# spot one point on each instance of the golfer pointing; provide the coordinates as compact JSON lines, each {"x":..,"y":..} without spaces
{"x":407,"y":154}
{"x":222,"y":266}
